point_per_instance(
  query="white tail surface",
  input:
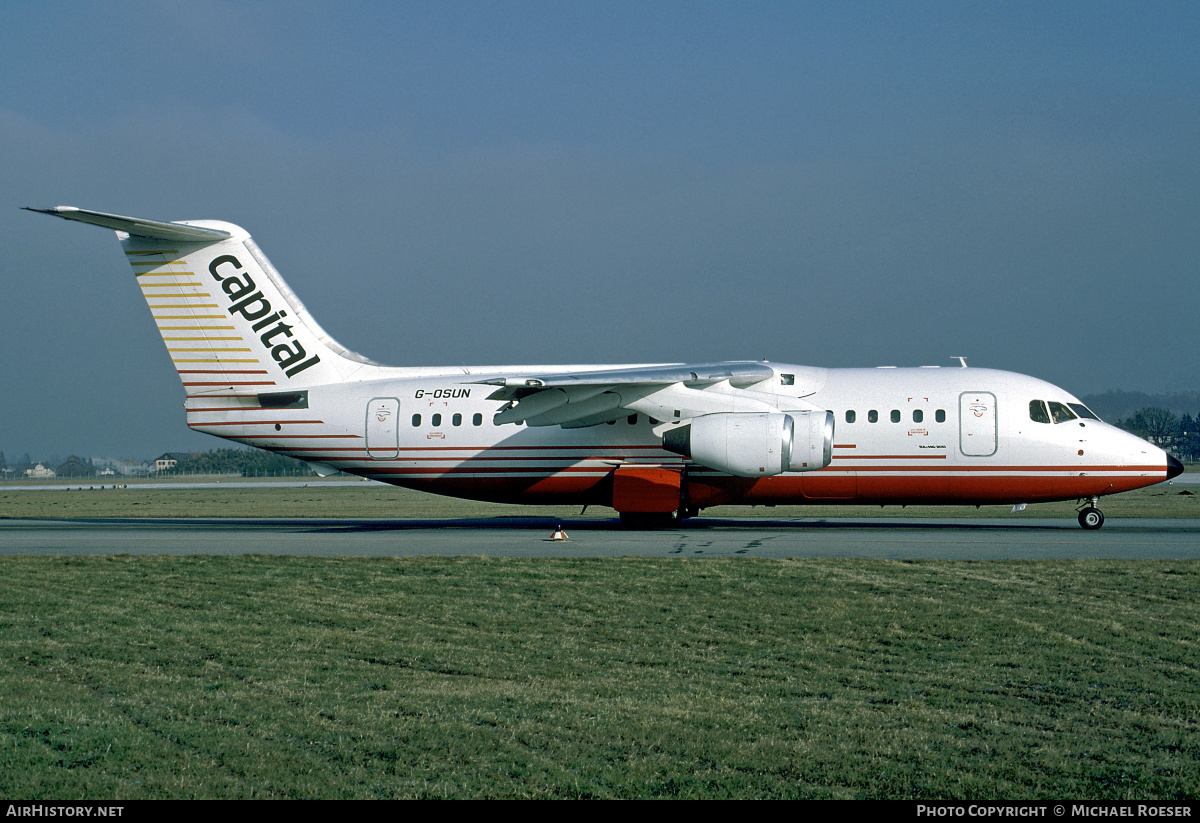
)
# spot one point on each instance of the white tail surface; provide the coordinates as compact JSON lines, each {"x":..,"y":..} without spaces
{"x":227,"y":318}
{"x":230,"y":323}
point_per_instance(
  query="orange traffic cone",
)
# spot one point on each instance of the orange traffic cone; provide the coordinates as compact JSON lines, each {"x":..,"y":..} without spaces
{"x":559,"y":534}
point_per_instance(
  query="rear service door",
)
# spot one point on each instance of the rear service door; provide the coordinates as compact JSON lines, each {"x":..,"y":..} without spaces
{"x":382,"y":432}
{"x":977,"y":423}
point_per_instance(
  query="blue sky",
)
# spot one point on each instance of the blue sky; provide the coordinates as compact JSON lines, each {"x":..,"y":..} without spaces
{"x":838,"y":184}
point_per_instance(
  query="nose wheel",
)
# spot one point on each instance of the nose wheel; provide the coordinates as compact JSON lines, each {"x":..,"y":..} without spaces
{"x":1090,"y":517}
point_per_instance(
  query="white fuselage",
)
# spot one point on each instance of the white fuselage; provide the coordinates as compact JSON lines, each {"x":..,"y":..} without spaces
{"x":902,"y":435}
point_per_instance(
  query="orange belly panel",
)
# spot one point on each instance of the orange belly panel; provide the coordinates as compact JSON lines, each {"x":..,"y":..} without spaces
{"x":645,"y":489}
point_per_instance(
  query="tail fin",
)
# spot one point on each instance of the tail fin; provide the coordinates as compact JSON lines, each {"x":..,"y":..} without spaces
{"x":228,"y":320}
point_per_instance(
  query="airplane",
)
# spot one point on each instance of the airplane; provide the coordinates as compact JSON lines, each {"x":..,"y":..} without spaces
{"x":658,"y":443}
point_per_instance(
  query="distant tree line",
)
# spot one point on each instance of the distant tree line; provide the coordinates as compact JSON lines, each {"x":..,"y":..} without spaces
{"x":1118,"y":405}
{"x":1180,"y":435}
{"x":246,"y":462}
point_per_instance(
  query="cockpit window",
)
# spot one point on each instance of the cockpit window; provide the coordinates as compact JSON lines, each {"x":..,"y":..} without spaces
{"x":1037,"y":411}
{"x":1083,"y":411}
{"x":1060,"y":413}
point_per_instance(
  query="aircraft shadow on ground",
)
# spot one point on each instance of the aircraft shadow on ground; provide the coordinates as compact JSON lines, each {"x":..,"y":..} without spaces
{"x":613,"y":525}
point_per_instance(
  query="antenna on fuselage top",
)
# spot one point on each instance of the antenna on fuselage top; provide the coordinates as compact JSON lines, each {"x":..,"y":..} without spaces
{"x":960,"y":359}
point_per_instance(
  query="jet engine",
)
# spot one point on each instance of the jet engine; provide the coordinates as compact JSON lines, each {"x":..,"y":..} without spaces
{"x":756,"y":445}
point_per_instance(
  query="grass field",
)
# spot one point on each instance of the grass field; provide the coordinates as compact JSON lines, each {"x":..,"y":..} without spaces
{"x":243,"y":677}
{"x":193,"y":677}
{"x":373,"y":500}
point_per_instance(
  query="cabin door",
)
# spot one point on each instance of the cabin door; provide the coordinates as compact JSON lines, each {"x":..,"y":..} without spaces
{"x":977,"y":423}
{"x":383,"y":434}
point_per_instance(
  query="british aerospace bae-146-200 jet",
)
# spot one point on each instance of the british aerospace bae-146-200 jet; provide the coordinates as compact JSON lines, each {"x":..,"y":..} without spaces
{"x":651,"y":441}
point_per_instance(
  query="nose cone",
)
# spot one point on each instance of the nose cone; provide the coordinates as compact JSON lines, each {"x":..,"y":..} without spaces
{"x":1174,"y":467}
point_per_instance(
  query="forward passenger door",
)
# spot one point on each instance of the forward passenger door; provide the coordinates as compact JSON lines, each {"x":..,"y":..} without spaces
{"x":977,"y":424}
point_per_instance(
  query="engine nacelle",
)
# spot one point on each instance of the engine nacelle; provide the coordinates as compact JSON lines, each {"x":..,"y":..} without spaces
{"x":756,"y":445}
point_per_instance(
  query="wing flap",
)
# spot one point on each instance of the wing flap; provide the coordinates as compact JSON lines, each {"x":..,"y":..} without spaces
{"x":569,"y":416}
{"x":547,"y":401}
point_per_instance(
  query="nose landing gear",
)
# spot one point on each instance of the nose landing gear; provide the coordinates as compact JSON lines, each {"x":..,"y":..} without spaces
{"x":1090,"y":517}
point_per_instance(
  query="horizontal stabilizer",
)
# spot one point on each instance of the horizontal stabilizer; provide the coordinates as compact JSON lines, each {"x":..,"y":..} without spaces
{"x":136,"y":226}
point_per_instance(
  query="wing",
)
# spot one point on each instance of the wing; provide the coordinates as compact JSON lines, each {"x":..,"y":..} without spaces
{"x":669,"y":393}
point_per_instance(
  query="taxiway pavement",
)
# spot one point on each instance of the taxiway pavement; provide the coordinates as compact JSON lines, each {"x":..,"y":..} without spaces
{"x":895,"y":538}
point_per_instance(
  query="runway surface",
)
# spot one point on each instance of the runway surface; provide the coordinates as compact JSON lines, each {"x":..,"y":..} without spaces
{"x":907,"y":538}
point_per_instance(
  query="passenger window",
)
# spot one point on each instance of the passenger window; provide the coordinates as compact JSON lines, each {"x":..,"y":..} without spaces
{"x":477,"y":420}
{"x":895,"y":415}
{"x":918,"y":415}
{"x":456,"y":419}
{"x":787,"y":379}
{"x":940,"y":416}
{"x":1060,"y":413}
{"x":850,"y":416}
{"x":436,"y":420}
{"x":633,"y":419}
{"x":872,"y":416}
{"x":1037,"y":412}
{"x":416,"y":420}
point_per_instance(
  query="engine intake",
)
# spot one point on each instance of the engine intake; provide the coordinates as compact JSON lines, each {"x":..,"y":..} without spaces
{"x":756,"y":445}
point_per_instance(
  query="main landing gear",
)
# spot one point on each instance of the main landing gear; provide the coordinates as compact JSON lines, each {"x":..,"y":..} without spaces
{"x":1090,"y":517}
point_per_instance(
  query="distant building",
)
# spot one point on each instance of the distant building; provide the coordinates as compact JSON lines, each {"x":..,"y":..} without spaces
{"x":169,"y":460}
{"x":74,"y":467}
{"x":39,"y":471}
